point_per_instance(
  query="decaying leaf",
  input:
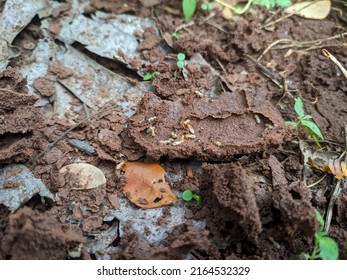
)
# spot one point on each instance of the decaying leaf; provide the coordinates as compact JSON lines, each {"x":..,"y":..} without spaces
{"x":317,"y":10}
{"x":146,"y":186}
{"x":335,"y":167}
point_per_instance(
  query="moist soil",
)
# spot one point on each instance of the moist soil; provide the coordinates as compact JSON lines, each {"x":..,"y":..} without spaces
{"x":220,"y":135}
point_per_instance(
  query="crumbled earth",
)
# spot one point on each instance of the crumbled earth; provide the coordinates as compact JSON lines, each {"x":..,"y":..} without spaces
{"x":20,"y":123}
{"x":217,"y":128}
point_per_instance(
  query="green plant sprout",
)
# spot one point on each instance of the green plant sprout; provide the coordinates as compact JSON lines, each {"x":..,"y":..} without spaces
{"x":303,"y":120}
{"x":175,"y":36}
{"x":325,"y":248}
{"x":180,"y":60}
{"x":188,"y":7}
{"x":188,"y":195}
{"x":206,"y":7}
{"x":150,"y":75}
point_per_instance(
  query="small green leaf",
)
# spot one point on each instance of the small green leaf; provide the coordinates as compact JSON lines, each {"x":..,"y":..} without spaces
{"x":299,"y":107}
{"x":181,"y":56}
{"x":329,"y":250}
{"x":187,"y":195}
{"x":188,"y":7}
{"x":175,"y":35}
{"x":307,"y":117}
{"x":320,"y":219}
{"x":198,"y":198}
{"x":210,"y":6}
{"x":147,"y":77}
{"x":313,"y":127}
{"x":180,"y":64}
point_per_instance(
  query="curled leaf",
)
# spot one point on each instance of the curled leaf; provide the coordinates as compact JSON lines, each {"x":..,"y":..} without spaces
{"x":332,"y":166}
{"x":146,"y":186}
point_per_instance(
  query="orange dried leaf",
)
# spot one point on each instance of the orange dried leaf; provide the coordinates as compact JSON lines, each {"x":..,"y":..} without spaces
{"x":334,"y":167}
{"x":313,"y":164}
{"x":146,"y":186}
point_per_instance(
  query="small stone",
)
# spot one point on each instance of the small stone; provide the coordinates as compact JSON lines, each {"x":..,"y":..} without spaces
{"x":227,"y":13}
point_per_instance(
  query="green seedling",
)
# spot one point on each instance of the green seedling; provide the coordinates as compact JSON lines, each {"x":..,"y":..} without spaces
{"x":180,"y":60}
{"x":175,"y":36}
{"x":150,"y":75}
{"x":305,"y":122}
{"x":188,"y":195}
{"x":207,"y":7}
{"x":188,"y":7}
{"x":325,"y":248}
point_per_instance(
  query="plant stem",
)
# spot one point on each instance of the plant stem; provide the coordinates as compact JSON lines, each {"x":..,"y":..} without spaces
{"x":315,"y":249}
{"x":237,"y":10}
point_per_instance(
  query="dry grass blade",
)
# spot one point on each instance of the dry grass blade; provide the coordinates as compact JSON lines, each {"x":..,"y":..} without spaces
{"x":334,"y":59}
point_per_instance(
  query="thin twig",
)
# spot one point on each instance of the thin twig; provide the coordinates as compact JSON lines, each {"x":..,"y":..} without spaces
{"x":316,"y":183}
{"x":272,"y":45}
{"x":221,"y":66}
{"x":330,"y":209}
{"x":326,"y":141}
{"x":334,"y":59}
{"x":303,"y":44}
{"x":289,"y":15}
{"x":274,"y":77}
{"x":50,"y":145}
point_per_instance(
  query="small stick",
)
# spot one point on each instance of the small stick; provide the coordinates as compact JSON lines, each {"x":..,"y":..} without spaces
{"x":289,"y":15}
{"x":334,"y":59}
{"x":272,"y":45}
{"x":184,"y":26}
{"x":316,"y":183}
{"x":330,"y":209}
{"x":309,"y":43}
{"x":275,"y":78}
{"x":50,"y":145}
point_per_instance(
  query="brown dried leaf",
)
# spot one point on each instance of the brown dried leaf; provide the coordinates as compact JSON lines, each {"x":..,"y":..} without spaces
{"x":317,"y":10}
{"x":146,"y":186}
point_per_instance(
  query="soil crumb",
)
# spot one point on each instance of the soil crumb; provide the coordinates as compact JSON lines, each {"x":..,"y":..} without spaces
{"x":19,"y":124}
{"x":231,"y":208}
{"x":34,"y":235}
{"x":235,"y":123}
